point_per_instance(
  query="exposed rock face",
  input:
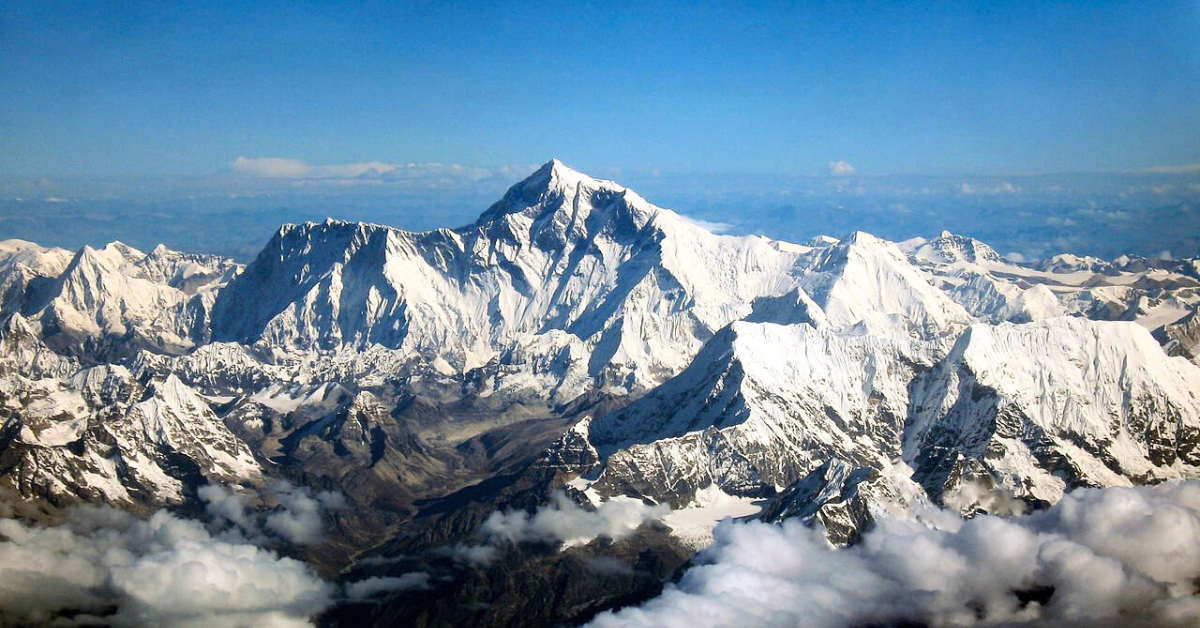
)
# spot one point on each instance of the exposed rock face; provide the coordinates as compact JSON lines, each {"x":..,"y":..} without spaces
{"x":1182,"y":337}
{"x":760,"y":407}
{"x":1049,"y":406}
{"x":99,"y":436}
{"x":846,"y":501}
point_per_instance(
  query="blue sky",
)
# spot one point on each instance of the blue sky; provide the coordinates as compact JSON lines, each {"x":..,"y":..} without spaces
{"x":138,"y":88}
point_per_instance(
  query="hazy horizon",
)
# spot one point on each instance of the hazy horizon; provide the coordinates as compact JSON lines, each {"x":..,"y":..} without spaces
{"x":1026,"y":216}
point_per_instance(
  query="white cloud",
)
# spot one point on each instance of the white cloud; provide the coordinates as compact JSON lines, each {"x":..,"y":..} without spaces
{"x":163,"y":571}
{"x":1014,"y":256}
{"x":300,"y":519}
{"x":839,"y":168}
{"x":282,"y":168}
{"x":293,"y":513}
{"x":370,"y":587}
{"x":1165,"y":255}
{"x":271,"y":167}
{"x":566,"y":522}
{"x":369,"y":171}
{"x":709,"y":225}
{"x":1183,"y":169}
{"x":227,"y":507}
{"x":472,"y":554}
{"x":999,"y":189}
{"x":1116,"y":556}
{"x":562,"y":522}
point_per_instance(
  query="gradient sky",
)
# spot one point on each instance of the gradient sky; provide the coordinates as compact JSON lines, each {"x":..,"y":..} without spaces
{"x":148,"y":88}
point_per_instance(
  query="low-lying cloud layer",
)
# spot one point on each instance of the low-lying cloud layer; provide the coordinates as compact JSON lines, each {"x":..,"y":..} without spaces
{"x":363,"y":589}
{"x":566,"y":522}
{"x":164,"y":571}
{"x":561,"y":522}
{"x":292,"y":513}
{"x":1117,"y":556}
{"x":107,"y":566}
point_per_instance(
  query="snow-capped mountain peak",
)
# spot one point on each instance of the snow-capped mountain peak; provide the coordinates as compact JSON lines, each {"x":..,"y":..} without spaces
{"x":557,"y":204}
{"x":639,"y":286}
{"x":867,"y":281}
{"x":949,"y":248}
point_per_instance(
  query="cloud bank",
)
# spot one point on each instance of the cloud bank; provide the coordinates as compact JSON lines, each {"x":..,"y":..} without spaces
{"x":562,"y":522}
{"x":364,"y":589}
{"x":163,"y":571}
{"x":1117,"y":556}
{"x":106,"y":566}
{"x":293,"y":513}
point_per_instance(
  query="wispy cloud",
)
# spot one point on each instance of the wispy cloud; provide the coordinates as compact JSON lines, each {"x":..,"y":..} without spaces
{"x":1003,"y":187}
{"x":712,"y":226}
{"x":283,"y":168}
{"x":562,"y":522}
{"x":370,"y":587}
{"x":1181,"y":169}
{"x":271,"y":167}
{"x":299,"y":170}
{"x":840,"y":168}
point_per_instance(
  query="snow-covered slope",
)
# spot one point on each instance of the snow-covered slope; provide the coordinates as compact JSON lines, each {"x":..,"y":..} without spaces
{"x":41,"y":259}
{"x":22,"y":352}
{"x":23,"y":265}
{"x":108,"y":303}
{"x":977,"y":278}
{"x":760,"y":406}
{"x":868,"y":283}
{"x":99,"y":436}
{"x":1047,"y":406}
{"x":1152,"y":292}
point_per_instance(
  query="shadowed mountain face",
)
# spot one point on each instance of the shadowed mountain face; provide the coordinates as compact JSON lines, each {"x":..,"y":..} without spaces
{"x":577,"y":340}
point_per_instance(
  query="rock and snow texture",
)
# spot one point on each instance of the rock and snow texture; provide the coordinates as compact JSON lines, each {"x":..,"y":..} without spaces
{"x":108,"y":303}
{"x":565,"y":262}
{"x":99,"y":436}
{"x":846,"y":501}
{"x":760,"y":406}
{"x":736,"y":364}
{"x":1052,"y":405}
{"x":1182,"y":337}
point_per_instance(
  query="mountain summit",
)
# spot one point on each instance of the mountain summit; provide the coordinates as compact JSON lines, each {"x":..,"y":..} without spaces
{"x":563,"y":258}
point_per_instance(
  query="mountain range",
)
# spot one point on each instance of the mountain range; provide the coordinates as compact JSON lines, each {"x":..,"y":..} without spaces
{"x":578,"y":338}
